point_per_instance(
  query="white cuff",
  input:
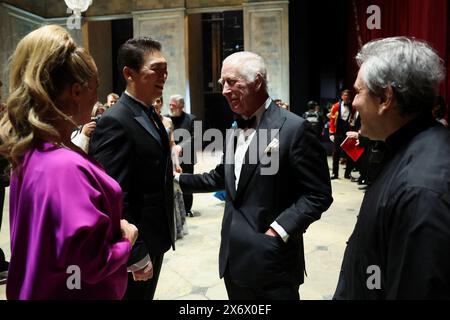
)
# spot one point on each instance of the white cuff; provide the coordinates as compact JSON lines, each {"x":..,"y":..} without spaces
{"x":140,"y":264}
{"x":280,"y":230}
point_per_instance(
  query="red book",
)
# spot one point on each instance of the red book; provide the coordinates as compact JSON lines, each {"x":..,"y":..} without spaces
{"x":350,"y":147}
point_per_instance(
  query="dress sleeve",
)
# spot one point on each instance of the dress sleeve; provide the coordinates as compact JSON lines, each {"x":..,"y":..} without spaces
{"x":87,"y":224}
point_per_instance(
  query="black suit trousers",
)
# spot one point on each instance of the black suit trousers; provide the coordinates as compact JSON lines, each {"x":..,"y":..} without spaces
{"x":187,"y":198}
{"x":338,"y":153}
{"x":274,"y":292}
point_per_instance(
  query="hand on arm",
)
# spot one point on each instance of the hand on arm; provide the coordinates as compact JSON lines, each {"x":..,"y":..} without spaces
{"x":129,"y":231}
{"x":89,"y":128}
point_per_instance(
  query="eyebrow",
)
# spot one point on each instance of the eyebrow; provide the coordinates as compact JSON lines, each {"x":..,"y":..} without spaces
{"x":160,"y":63}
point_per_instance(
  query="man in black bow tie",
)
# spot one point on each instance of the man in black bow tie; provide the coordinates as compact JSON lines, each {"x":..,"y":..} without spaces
{"x":245,"y":123}
{"x":266,"y":213}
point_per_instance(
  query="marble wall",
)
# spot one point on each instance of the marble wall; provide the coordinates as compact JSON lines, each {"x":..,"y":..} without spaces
{"x":15,"y":24}
{"x":168,"y":27}
{"x":266,"y":32}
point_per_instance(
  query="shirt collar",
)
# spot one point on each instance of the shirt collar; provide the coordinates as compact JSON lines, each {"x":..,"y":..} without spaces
{"x":259,"y":113}
{"x":408,"y":132}
{"x":134,"y":98}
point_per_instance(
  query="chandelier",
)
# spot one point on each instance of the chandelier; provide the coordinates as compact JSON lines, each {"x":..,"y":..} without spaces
{"x":78,"y":6}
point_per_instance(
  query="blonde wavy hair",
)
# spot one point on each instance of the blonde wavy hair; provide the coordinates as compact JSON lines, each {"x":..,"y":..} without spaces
{"x":44,"y":63}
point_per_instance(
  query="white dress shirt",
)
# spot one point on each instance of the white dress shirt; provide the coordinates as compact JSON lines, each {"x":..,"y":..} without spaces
{"x":345,"y":111}
{"x":244,"y":139}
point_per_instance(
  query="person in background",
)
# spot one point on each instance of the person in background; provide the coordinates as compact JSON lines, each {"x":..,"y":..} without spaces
{"x":111,"y":99}
{"x":179,"y":207}
{"x":184,"y":121}
{"x":97,"y":111}
{"x":65,"y":211}
{"x":313,"y":116}
{"x":340,"y":119}
{"x":82,"y":135}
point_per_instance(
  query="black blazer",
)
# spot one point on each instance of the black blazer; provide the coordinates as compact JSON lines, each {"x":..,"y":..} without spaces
{"x":127,"y":143}
{"x":295,"y":196}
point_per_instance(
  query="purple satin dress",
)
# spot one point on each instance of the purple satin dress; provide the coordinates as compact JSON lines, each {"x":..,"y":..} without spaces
{"x":65,"y":211}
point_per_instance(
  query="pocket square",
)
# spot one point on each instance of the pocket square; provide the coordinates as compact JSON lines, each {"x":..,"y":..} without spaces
{"x":274,"y":145}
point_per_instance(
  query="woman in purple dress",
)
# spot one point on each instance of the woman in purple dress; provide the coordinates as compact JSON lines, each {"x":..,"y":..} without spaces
{"x":67,"y":237}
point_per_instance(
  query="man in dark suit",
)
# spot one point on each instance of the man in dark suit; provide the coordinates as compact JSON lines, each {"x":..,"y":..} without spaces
{"x":184,"y":121}
{"x":341,"y":115}
{"x":131,"y":143}
{"x":276,"y":181}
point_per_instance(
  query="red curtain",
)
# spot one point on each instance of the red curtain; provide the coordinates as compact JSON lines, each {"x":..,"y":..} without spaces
{"x":428,"y":20}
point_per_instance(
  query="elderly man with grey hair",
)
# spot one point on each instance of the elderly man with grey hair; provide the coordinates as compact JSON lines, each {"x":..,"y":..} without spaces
{"x":399,"y":247}
{"x":266,"y":211}
{"x":183,"y":125}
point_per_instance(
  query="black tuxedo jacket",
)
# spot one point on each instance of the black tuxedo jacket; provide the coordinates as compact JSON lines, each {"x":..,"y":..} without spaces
{"x":295,"y":197}
{"x":127,"y":143}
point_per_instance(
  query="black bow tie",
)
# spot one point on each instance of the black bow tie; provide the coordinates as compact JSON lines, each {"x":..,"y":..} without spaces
{"x":245,"y":123}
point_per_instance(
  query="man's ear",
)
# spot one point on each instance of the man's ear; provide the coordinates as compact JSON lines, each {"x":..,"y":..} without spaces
{"x":127,"y":74}
{"x":258,"y":82}
{"x":387,"y":102}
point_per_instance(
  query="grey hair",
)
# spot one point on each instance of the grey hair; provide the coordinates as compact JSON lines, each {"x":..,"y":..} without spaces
{"x":410,"y":67}
{"x":250,"y":65}
{"x":178,"y":98}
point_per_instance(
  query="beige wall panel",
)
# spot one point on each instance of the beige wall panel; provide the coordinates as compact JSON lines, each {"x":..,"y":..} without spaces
{"x":266,"y":32}
{"x":168,"y":27}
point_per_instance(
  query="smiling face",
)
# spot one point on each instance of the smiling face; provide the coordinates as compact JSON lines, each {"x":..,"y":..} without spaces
{"x":368,"y":106}
{"x":148,"y":82}
{"x":237,"y":90}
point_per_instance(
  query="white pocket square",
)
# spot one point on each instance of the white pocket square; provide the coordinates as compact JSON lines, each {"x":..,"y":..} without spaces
{"x":273,"y":146}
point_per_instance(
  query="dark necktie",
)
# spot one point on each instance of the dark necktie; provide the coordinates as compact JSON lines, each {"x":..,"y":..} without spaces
{"x":154,"y":117}
{"x":245,"y":123}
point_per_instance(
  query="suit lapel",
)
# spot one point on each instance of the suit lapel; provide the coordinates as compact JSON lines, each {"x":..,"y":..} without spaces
{"x":144,"y":121}
{"x":142,"y":118}
{"x":230,"y":179}
{"x":270,"y":120}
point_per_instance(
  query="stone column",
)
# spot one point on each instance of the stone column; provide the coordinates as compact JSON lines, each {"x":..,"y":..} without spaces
{"x":168,"y":27}
{"x":266,"y":32}
{"x":15,"y":24}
